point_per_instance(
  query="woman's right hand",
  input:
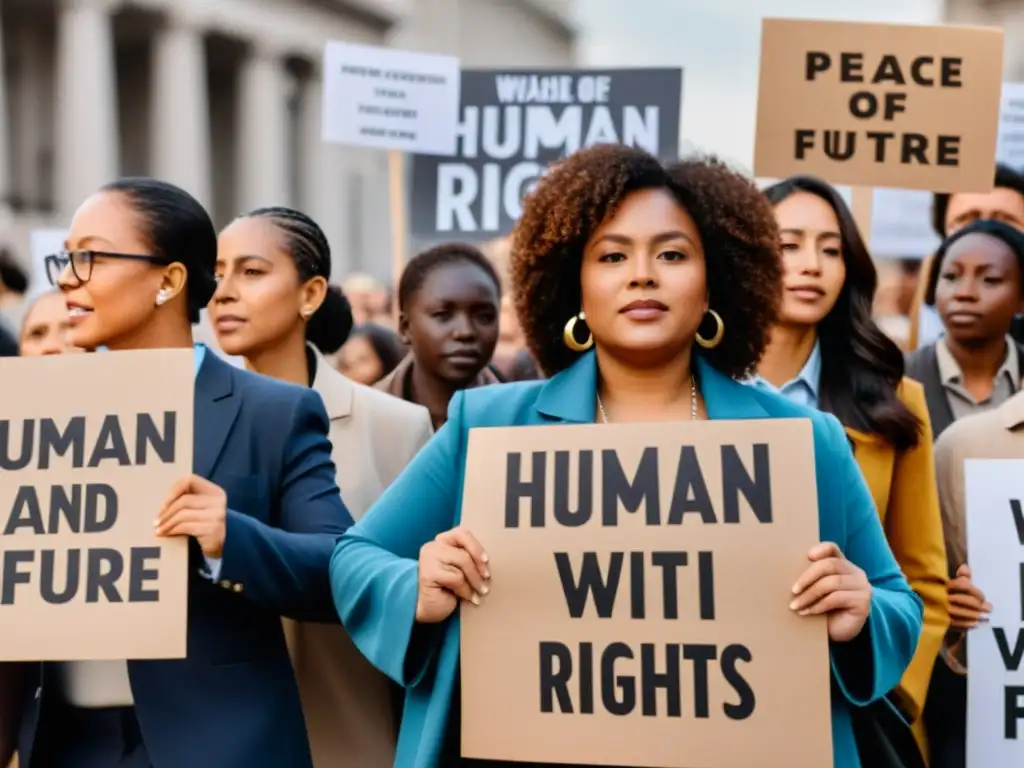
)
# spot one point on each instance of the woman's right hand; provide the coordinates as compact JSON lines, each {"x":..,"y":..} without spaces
{"x":451,"y":567}
{"x":967,"y":605}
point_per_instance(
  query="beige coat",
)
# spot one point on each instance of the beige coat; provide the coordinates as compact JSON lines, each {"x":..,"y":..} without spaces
{"x":995,"y":434}
{"x":347,"y":703}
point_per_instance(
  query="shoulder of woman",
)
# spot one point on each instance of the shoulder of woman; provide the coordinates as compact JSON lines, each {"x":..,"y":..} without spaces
{"x":911,"y":393}
{"x":497,"y":405}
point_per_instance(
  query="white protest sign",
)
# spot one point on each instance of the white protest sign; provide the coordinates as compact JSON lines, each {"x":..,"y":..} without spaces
{"x":388,"y":99}
{"x":1010,"y":143}
{"x":43,"y":243}
{"x":995,"y":650}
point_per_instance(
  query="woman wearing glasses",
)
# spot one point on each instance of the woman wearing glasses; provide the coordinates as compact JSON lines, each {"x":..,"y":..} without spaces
{"x":262,"y":508}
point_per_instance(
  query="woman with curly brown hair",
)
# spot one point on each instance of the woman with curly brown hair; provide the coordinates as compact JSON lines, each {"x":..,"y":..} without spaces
{"x":644,"y":292}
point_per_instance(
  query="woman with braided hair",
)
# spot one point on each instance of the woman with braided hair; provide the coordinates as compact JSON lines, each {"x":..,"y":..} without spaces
{"x":273,"y":306}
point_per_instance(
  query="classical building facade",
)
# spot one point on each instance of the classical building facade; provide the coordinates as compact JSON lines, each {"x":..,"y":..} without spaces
{"x":223,"y":97}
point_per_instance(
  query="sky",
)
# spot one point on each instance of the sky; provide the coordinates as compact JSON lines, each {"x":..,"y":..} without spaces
{"x":716,"y":42}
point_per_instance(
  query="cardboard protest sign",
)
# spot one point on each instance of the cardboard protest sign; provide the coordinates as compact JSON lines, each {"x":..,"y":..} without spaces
{"x":514,"y":123}
{"x":994,"y":495}
{"x":387,"y":99}
{"x":638,"y":612}
{"x":879,"y":105}
{"x":89,"y":447}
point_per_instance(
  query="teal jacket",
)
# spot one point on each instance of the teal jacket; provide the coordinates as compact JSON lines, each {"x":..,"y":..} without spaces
{"x":374,"y":567}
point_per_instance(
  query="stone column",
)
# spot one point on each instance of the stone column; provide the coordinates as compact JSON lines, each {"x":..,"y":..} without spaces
{"x":87,"y":138}
{"x":263,"y":124}
{"x":323,"y":179}
{"x":6,"y":151}
{"x":181,"y":115}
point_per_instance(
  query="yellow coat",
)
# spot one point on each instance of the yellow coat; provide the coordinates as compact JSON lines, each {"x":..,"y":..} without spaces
{"x":906,"y":496}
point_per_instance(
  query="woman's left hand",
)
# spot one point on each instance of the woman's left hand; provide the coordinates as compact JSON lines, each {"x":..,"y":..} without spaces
{"x":198,"y":508}
{"x":834,"y":586}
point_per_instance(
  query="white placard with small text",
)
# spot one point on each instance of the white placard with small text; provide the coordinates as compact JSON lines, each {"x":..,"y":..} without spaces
{"x":43,"y":243}
{"x":1010,"y":143}
{"x":388,"y":99}
{"x":995,"y":649}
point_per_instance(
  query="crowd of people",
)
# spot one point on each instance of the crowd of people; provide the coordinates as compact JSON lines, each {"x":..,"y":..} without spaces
{"x":325,"y":505}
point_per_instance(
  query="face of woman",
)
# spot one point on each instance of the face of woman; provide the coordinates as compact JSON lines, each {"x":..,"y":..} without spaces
{"x":814,"y":270}
{"x":117,"y":304}
{"x":259,"y":299}
{"x":358,"y":360}
{"x":979,"y":289}
{"x":46,"y":329}
{"x":451,"y":322}
{"x":643,"y":278}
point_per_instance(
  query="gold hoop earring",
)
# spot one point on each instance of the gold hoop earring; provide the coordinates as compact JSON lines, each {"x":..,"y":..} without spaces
{"x":569,"y":335}
{"x":715,"y":340}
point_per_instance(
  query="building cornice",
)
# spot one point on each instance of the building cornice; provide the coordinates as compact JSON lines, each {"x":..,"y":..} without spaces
{"x":555,"y":19}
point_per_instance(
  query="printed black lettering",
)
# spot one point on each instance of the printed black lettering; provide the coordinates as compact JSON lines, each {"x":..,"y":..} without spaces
{"x":94,"y":494}
{"x":1018,"y":519}
{"x":1013,"y":710}
{"x":951,"y":72}
{"x":617,"y":489}
{"x":1011,"y":659}
{"x":804,"y":142}
{"x":895,"y":103}
{"x":66,"y":503}
{"x":732,"y":654}
{"x":110,"y":444}
{"x":948,"y":151}
{"x":706,"y":584}
{"x":161,"y":441}
{"x":651,"y":680}
{"x":103,"y":568}
{"x":851,"y":67}
{"x":637,"y":593}
{"x":53,"y":440}
{"x":915,"y":146}
{"x":917,"y":70}
{"x":48,"y":576}
{"x":584,"y":489}
{"x":28,"y":432}
{"x":140,"y":573}
{"x":517,"y":489}
{"x":12,"y":574}
{"x":591,"y":581}
{"x":670,"y":563}
{"x":880,"y":138}
{"x":554,"y":680}
{"x":700,"y":655}
{"x":840,"y":145}
{"x":864,"y":105}
{"x":586,"y":678}
{"x":755,"y":488}
{"x":817,"y":62}
{"x":690,"y":493}
{"x":618,"y":692}
{"x":25,"y":512}
{"x":889,"y":71}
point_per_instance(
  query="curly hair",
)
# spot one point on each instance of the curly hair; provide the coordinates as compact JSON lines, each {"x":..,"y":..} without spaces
{"x":736,"y":224}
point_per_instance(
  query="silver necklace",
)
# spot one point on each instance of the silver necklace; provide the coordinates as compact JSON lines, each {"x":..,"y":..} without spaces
{"x":693,"y":403}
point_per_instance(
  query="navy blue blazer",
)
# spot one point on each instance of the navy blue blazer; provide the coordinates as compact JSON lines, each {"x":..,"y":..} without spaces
{"x":234,"y":701}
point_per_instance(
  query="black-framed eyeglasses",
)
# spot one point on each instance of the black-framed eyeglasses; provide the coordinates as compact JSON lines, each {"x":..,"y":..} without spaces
{"x":81,"y":263}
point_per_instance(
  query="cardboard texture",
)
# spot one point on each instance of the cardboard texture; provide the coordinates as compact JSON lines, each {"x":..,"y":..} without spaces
{"x":733,"y":594}
{"x":879,"y":105}
{"x":98,"y":433}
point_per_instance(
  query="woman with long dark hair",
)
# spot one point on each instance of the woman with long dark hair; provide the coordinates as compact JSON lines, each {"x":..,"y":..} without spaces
{"x":261,"y":512}
{"x":827,"y":352}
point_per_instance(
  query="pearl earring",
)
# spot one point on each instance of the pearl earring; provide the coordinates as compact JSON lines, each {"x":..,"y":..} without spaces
{"x":162,"y":295}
